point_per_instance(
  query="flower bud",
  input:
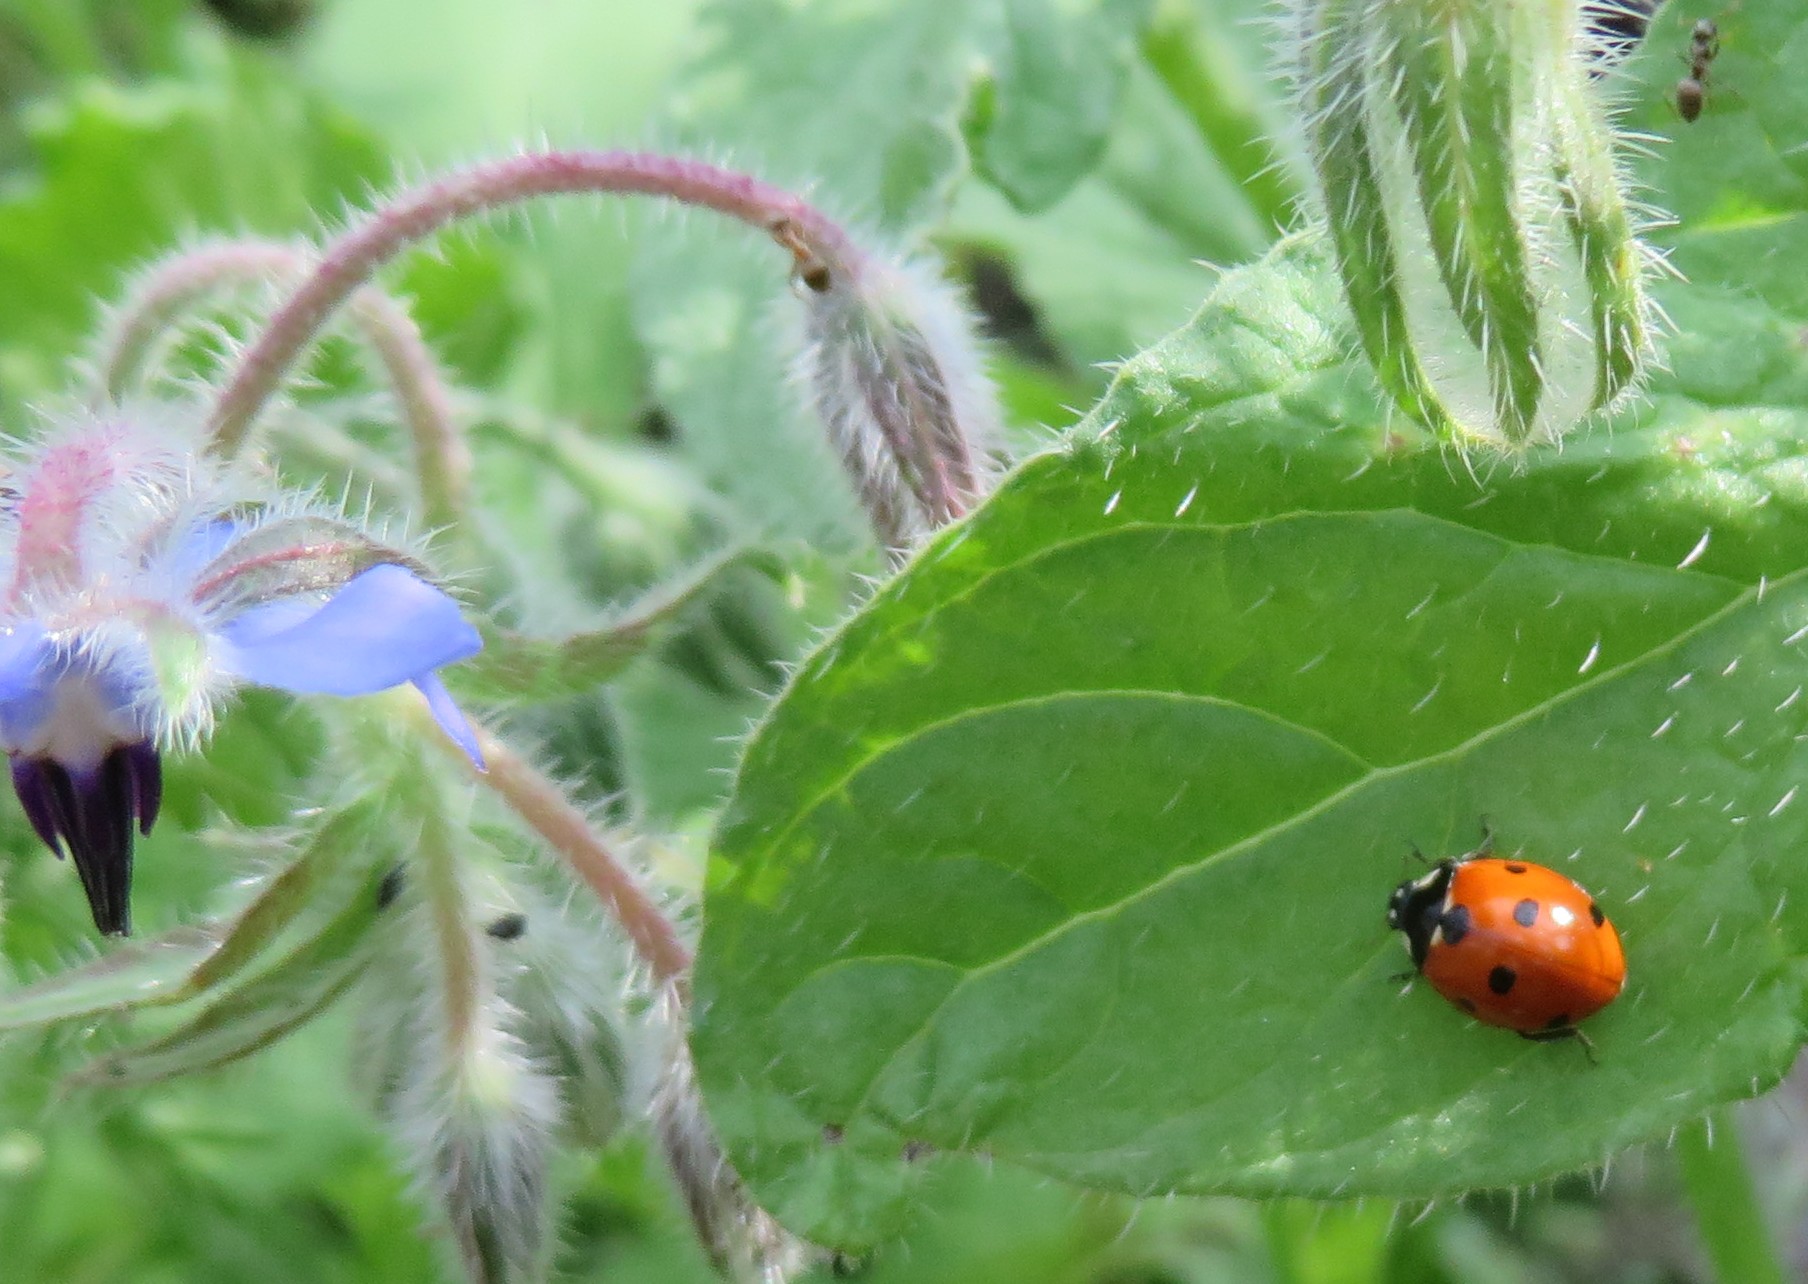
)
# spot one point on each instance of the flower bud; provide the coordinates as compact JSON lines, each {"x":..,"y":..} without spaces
{"x":1477,"y":217}
{"x":893,"y":372}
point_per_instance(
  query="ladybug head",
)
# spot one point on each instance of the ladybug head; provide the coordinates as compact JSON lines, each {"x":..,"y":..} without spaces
{"x":1415,"y":906}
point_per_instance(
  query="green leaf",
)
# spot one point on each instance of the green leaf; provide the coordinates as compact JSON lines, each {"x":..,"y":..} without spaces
{"x":1108,"y":269}
{"x":1071,"y":848}
{"x":124,"y":172}
{"x":154,"y":970}
{"x":681,"y":716}
{"x":1215,"y":60}
{"x":294,"y":989}
{"x":516,"y":668}
{"x":478,"y":78}
{"x":1059,"y":72}
{"x":328,"y":875}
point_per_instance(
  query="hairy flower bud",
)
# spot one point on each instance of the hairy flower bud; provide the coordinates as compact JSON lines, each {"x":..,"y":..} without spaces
{"x":892,"y":370}
{"x":1479,"y":222}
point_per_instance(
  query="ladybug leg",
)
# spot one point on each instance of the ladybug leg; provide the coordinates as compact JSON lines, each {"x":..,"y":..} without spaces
{"x":1561,"y":1032}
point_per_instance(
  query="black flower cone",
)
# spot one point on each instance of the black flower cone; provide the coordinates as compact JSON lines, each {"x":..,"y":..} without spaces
{"x":90,"y":812}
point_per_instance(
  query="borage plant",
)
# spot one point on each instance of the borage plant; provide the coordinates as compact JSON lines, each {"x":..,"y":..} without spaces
{"x":1070,"y":847}
{"x":155,"y":563}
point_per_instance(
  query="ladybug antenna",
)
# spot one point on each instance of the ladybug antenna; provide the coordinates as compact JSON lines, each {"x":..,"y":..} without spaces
{"x":1487,"y":847}
{"x":1413,"y":853}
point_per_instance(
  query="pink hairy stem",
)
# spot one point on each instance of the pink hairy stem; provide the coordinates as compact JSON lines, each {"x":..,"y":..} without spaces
{"x":820,"y":249}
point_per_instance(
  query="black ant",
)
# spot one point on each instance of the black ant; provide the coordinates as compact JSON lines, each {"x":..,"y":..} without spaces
{"x":1692,"y":89}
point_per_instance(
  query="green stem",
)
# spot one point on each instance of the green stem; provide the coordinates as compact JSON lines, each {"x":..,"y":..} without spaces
{"x":461,"y":970}
{"x":1719,"y":1184}
{"x":544,"y":807}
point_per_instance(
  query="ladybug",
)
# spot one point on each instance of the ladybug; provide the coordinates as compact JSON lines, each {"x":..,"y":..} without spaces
{"x":1511,"y":943}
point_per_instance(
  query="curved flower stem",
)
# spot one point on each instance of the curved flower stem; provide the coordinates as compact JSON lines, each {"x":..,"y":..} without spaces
{"x":442,"y":458}
{"x":820,"y":249}
{"x":546,"y":809}
{"x":160,"y":296}
{"x":741,"y":1239}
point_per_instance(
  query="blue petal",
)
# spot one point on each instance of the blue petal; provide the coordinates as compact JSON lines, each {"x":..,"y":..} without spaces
{"x":387,"y":626}
{"x":450,"y":718}
{"x":29,"y":669}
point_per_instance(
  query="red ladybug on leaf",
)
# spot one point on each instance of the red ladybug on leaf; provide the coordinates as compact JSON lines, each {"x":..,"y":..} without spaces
{"x":1511,"y":943}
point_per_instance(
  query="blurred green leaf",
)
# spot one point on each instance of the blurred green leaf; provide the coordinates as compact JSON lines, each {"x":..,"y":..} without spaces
{"x":294,"y":989}
{"x":328,"y":875}
{"x":44,"y":41}
{"x":483,"y":78}
{"x":1343,"y":1244}
{"x":683,"y":715}
{"x":331,"y":874}
{"x":515,"y":668}
{"x":1054,"y":94}
{"x":1216,"y":61}
{"x":1130,"y":251}
{"x":123,"y":172}
{"x":157,"y":969}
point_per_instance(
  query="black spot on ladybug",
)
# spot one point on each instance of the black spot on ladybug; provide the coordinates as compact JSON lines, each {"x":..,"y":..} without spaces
{"x":1467,"y":1005}
{"x":1514,"y":867}
{"x":1501,"y":979}
{"x":1454,"y":924}
{"x":1558,"y":1022}
{"x":1594,"y":912}
{"x":1526,"y":912}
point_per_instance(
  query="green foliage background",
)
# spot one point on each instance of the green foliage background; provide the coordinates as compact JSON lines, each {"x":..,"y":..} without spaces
{"x":627,"y":376}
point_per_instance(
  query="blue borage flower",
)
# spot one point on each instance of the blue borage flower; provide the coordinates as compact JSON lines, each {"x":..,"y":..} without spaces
{"x":140,"y":584}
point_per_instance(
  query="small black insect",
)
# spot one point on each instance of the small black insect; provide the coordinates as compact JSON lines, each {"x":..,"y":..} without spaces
{"x":390,"y":887}
{"x":1692,"y":89}
{"x":508,"y":927}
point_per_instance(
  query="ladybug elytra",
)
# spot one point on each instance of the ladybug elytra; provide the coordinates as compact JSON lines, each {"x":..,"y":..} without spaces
{"x":1511,"y":943}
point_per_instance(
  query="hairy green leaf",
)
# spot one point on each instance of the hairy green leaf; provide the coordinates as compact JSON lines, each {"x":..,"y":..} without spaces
{"x":330,"y":872}
{"x":292,"y":990}
{"x":517,"y":668}
{"x":157,"y":969}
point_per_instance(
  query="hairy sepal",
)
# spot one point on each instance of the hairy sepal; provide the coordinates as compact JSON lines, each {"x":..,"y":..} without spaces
{"x":1467,"y":180}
